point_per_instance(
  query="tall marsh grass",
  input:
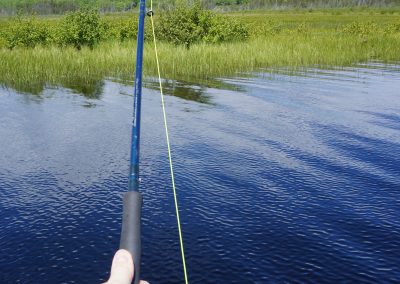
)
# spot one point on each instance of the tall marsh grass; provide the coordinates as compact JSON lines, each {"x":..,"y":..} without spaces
{"x":286,"y":42}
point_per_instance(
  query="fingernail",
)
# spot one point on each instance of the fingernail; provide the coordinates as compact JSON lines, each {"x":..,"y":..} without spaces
{"x":121,"y":257}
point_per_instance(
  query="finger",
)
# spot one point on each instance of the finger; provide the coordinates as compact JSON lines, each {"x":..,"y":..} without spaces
{"x":143,"y":282}
{"x":122,"y":268}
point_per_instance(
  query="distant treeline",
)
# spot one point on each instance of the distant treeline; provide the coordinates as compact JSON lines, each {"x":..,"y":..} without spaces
{"x":287,"y":4}
{"x":46,"y":7}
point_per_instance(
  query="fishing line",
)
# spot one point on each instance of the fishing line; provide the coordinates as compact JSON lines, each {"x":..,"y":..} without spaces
{"x":150,"y":13}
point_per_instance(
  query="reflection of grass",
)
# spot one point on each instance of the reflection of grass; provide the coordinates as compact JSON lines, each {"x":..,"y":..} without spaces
{"x":186,"y":91}
{"x":289,"y":39}
{"x":31,"y":69}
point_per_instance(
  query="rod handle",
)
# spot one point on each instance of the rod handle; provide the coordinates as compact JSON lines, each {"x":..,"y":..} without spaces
{"x":131,"y":227}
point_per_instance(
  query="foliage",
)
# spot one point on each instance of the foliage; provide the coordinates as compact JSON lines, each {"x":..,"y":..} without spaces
{"x":188,"y":25}
{"x":361,"y":29}
{"x":254,"y":4}
{"x":25,"y":33}
{"x":289,"y":39}
{"x":47,"y":7}
{"x":267,"y":28}
{"x":123,"y":28}
{"x":392,"y":28}
{"x":223,"y":29}
{"x":81,"y":28}
{"x":184,"y":25}
{"x":127,"y":29}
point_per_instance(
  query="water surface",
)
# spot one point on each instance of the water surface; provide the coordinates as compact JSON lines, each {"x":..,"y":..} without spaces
{"x":282,"y":178}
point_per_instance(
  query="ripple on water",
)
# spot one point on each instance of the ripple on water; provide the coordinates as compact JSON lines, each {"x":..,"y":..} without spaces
{"x":281,"y":178}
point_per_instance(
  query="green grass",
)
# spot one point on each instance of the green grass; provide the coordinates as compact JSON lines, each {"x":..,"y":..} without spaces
{"x":302,"y":40}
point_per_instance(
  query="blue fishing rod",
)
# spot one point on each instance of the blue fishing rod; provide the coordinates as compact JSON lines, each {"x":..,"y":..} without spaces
{"x":131,"y":219}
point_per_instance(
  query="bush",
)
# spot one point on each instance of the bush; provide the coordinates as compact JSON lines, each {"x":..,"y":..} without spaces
{"x":182,"y":25}
{"x":361,"y":29}
{"x":128,"y":30}
{"x":26,"y":33}
{"x":187,"y":25}
{"x":81,"y":28}
{"x":223,"y":30}
{"x":392,"y":28}
{"x":3,"y":42}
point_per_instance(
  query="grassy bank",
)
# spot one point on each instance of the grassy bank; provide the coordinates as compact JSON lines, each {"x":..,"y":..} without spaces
{"x":291,"y":39}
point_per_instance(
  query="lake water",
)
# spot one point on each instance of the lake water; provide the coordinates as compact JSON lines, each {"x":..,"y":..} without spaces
{"x":281,"y":178}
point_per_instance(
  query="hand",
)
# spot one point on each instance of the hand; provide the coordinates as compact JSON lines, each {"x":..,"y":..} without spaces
{"x":122,"y":269}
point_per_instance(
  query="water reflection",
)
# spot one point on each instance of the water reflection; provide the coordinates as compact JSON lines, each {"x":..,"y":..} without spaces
{"x":90,"y":89}
{"x":287,"y":179}
{"x":342,"y":73}
{"x":181,"y":89}
{"x":94,"y":89}
{"x":36,"y":88}
{"x":197,"y":91}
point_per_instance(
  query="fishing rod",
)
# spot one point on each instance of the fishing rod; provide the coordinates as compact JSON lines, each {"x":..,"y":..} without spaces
{"x":133,"y":200}
{"x":131,"y":219}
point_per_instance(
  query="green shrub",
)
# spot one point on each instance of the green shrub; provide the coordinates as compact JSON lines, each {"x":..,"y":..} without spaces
{"x":182,"y":26}
{"x":81,"y":28}
{"x":26,"y":32}
{"x":392,"y":28}
{"x":361,"y":29}
{"x":128,"y":30}
{"x":122,"y":29}
{"x":2,"y":37}
{"x":223,"y":29}
{"x":187,"y":25}
{"x":3,"y":42}
{"x":105,"y":31}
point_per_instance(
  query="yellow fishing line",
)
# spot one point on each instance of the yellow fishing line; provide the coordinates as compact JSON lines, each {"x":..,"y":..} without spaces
{"x":168,"y":145}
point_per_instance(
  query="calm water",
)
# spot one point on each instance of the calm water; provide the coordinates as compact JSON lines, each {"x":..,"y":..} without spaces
{"x":281,"y":179}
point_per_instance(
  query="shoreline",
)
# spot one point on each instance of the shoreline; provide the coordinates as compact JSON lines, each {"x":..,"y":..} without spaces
{"x":284,"y":40}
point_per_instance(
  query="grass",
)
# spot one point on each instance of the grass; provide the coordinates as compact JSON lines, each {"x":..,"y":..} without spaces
{"x":289,"y":39}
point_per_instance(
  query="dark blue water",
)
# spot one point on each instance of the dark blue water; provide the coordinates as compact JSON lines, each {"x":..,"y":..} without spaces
{"x":281,"y":179}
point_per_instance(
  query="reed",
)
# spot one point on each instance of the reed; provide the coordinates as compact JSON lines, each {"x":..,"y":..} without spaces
{"x":276,"y":41}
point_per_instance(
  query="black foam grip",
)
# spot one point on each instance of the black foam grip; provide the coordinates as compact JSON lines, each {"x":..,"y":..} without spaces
{"x":130,"y":234}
